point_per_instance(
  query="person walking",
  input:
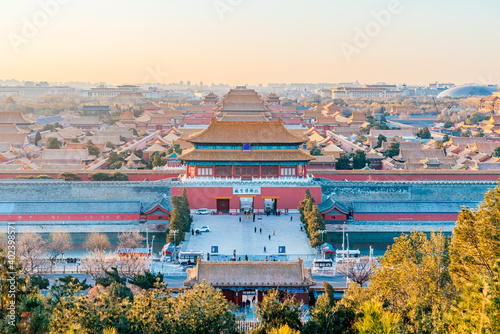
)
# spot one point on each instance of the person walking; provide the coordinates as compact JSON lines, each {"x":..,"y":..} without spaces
{"x":192,"y":231}
{"x":291,"y":218}
{"x":240,"y":219}
{"x":246,"y":257}
{"x":264,"y":249}
{"x":269,"y":237}
{"x":273,"y":232}
{"x":255,"y":229}
{"x":261,"y":231}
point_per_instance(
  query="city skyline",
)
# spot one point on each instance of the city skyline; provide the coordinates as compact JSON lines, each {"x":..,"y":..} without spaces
{"x":243,"y":42}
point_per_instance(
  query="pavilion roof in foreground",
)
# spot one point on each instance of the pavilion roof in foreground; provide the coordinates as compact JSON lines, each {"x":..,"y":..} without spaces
{"x":250,"y":273}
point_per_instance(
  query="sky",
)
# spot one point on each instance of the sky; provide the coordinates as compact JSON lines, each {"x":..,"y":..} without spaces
{"x":250,"y":41}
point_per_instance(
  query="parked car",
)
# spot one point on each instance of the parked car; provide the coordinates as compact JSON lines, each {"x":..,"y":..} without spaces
{"x":202,"y":212}
{"x":203,"y":229}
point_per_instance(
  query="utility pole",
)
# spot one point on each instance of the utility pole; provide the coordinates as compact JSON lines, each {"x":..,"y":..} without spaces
{"x":322,"y":233}
{"x":152,"y":241}
{"x":347,"y":276}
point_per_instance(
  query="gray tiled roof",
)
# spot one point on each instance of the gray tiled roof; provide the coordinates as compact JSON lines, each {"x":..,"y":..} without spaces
{"x":69,"y":207}
{"x":249,"y":273}
{"x":411,"y":207}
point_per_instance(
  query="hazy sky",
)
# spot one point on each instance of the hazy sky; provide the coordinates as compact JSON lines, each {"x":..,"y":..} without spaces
{"x":250,"y":41}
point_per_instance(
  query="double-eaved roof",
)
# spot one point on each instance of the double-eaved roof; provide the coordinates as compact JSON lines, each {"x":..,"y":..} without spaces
{"x":239,"y":155}
{"x":250,"y":273}
{"x":246,"y":132}
{"x":242,"y":100}
{"x":15,"y":117}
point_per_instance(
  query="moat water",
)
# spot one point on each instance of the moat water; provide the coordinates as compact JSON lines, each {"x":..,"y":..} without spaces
{"x":380,"y":241}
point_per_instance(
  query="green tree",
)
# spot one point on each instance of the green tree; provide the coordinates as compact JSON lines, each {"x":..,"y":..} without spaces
{"x":474,"y":118}
{"x":177,"y":223}
{"x":496,"y":152}
{"x":93,"y":150}
{"x":448,"y":124}
{"x":204,"y":310}
{"x":38,"y":137}
{"x":475,"y":246}
{"x":121,"y":291}
{"x":315,"y":150}
{"x":134,"y":131}
{"x":53,"y":143}
{"x":110,"y":277}
{"x":176,"y":148}
{"x":359,"y":159}
{"x":75,"y":140}
{"x":99,"y":176}
{"x":380,"y":139}
{"x":115,"y":161}
{"x":110,"y":145}
{"x":67,"y":284}
{"x":185,"y":209}
{"x":39,"y":281}
{"x":68,"y":176}
{"x":117,"y":176}
{"x":157,"y":159}
{"x":343,"y":163}
{"x":376,"y":320}
{"x":392,"y":149}
{"x":414,"y":282}
{"x":274,"y":312}
{"x":477,"y":309}
{"x":315,"y":224}
{"x":330,"y":317}
{"x":147,"y":281}
{"x":424,"y":133}
{"x":304,"y":206}
{"x":446,"y":138}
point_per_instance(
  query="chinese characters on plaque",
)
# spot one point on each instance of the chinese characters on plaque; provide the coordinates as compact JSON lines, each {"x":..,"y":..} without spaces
{"x":246,"y":190}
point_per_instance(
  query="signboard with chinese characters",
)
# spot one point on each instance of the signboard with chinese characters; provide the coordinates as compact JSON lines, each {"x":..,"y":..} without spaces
{"x":246,"y":190}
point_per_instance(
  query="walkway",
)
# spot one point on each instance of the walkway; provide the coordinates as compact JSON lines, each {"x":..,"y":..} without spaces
{"x":229,"y":234}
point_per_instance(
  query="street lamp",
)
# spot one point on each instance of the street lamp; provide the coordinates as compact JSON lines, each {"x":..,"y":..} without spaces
{"x":322,"y":233}
{"x":174,"y":232}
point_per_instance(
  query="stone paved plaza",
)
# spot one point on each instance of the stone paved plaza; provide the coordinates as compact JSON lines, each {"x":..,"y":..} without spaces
{"x":228,"y":233}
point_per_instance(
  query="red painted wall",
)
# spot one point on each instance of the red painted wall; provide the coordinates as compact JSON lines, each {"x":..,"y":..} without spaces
{"x":204,"y":197}
{"x":409,"y":177}
{"x":408,"y":217}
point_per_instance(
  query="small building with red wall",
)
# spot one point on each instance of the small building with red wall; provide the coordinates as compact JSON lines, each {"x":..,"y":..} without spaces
{"x":245,"y":280}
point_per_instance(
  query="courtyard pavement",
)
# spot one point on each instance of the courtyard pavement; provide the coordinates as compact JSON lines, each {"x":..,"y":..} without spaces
{"x":228,"y":233}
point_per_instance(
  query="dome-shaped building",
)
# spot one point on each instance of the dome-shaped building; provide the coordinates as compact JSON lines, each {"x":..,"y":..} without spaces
{"x":466,"y":91}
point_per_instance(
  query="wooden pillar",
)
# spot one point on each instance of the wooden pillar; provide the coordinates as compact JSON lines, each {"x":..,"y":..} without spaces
{"x":213,"y":170}
{"x":297,"y":171}
{"x":232,"y":171}
{"x":260,"y":170}
{"x":279,"y":171}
